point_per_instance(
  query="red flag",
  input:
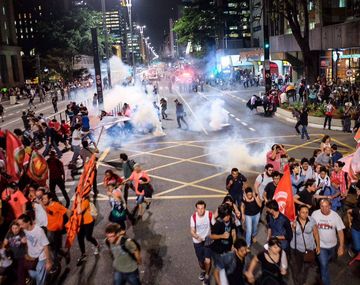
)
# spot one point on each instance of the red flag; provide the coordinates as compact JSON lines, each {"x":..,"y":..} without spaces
{"x":84,"y":187}
{"x":284,"y":196}
{"x":15,"y":154}
{"x":38,"y":168}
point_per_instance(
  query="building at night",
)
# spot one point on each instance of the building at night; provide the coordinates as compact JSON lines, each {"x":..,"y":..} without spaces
{"x":334,"y":34}
{"x":11,"y":70}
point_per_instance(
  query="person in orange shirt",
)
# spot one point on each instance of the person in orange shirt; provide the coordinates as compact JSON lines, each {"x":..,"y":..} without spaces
{"x":55,"y":214}
{"x":140,"y":194}
{"x":86,"y":227}
{"x":15,"y":198}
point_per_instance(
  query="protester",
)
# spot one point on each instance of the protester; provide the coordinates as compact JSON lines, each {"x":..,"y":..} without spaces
{"x":331,"y":229}
{"x":126,"y":256}
{"x":236,"y":275}
{"x":270,"y":188}
{"x":200,"y":229}
{"x":180,"y":114}
{"x":305,"y":245}
{"x":262,"y":180}
{"x":235,"y":183}
{"x":128,"y":168}
{"x":274,"y":156}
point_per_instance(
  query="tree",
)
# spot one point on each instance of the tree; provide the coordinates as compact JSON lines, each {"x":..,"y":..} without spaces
{"x":296,"y":13}
{"x":65,"y":35}
{"x":197,"y":25}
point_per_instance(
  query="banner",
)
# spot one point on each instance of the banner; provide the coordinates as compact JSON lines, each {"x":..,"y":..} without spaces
{"x":15,"y":154}
{"x":38,"y":168}
{"x":83,"y":189}
{"x":284,"y":195}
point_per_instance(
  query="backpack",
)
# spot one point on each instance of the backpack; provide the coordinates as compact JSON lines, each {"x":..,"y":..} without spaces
{"x":194,"y":218}
{"x":131,"y":164}
{"x":124,"y":248}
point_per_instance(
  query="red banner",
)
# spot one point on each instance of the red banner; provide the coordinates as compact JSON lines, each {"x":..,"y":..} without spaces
{"x":284,"y":195}
{"x":38,"y":168}
{"x":15,"y":154}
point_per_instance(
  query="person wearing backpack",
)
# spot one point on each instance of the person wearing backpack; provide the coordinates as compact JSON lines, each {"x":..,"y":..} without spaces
{"x":128,"y":168}
{"x":200,"y":228}
{"x":126,"y":254}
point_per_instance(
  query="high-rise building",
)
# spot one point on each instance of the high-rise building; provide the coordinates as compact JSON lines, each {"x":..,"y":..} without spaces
{"x":11,"y":71}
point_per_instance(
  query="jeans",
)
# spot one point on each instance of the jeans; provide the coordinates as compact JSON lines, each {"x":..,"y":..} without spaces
{"x":86,"y":231}
{"x":251,"y":223}
{"x":356,"y":240}
{"x":76,"y":150}
{"x":297,"y":127}
{"x":181,"y":118}
{"x":132,"y":278}
{"x":324,"y":258}
{"x":304,"y":132}
{"x":48,"y":147}
{"x":40,"y":273}
{"x":327,"y":120}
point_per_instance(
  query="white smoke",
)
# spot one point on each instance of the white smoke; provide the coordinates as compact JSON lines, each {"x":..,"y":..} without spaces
{"x":218,"y":115}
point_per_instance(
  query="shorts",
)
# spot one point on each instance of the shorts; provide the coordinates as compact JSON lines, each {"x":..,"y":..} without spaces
{"x":222,"y":260}
{"x":202,"y":251}
{"x":140,"y":199}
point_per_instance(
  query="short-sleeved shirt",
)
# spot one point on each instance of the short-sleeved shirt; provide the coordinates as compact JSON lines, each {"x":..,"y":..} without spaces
{"x":76,"y":138}
{"x":237,"y":277}
{"x":222,"y":245}
{"x":306,"y":197}
{"x":263,"y":180}
{"x":123,"y":262}
{"x":275,"y":162}
{"x":328,"y":227}
{"x":270,"y":190}
{"x":202,"y":227}
{"x":135,"y":177}
{"x":17,"y":248}
{"x":17,"y":201}
{"x":55,"y":214}
{"x":36,"y":242}
{"x":236,"y":187}
{"x":308,"y":236}
{"x":85,"y":207}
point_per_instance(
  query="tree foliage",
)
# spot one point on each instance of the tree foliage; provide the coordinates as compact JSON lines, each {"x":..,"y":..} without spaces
{"x":65,"y":35}
{"x":197,"y":25}
{"x":296,"y":13}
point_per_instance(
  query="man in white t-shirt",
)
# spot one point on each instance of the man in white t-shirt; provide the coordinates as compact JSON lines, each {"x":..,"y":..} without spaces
{"x":37,"y":248}
{"x":200,"y":228}
{"x":330,"y":228}
{"x":263,"y":179}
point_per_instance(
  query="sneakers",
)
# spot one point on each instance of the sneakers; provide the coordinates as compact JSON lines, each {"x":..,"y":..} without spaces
{"x":81,"y":259}
{"x":97,"y":250}
{"x":202,"y":276}
{"x":148,"y":205}
{"x":206,"y":280}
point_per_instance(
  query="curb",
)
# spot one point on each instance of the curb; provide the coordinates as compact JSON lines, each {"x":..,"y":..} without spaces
{"x":314,"y":122}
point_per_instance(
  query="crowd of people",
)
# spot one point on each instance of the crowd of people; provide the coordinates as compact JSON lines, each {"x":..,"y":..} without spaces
{"x":297,"y":251}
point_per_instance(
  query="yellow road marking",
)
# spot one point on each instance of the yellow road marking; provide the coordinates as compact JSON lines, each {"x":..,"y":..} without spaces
{"x":304,"y":144}
{"x":343,"y":144}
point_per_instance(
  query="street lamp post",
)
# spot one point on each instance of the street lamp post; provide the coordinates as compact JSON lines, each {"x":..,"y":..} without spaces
{"x":129,"y":6}
{"x":106,"y":42}
{"x":141,"y":28}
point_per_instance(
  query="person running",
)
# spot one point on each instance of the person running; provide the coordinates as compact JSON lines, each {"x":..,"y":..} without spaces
{"x":331,"y":229}
{"x":117,"y":204}
{"x":140,"y":195}
{"x":180,"y":114}
{"x":126,"y":255}
{"x":128,"y":168}
{"x":163,"y":105}
{"x":75,"y":145}
{"x":50,"y":141}
{"x":86,"y":228}
{"x":54,"y":101}
{"x":200,"y":229}
{"x":31,"y":98}
{"x":57,"y":176}
{"x":273,"y":262}
{"x":38,"y":253}
{"x":304,"y":123}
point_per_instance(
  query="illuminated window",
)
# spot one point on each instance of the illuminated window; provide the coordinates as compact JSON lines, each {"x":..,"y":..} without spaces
{"x":39,"y":7}
{"x":24,"y":15}
{"x":342,"y":3}
{"x":3,"y":9}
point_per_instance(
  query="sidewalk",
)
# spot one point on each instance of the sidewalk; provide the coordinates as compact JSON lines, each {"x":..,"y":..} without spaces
{"x":314,"y":122}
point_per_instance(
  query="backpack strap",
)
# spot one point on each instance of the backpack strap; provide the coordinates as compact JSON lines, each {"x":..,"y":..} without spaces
{"x":123,"y":240}
{"x":262,"y":178}
{"x":210,"y":217}
{"x":194,"y":218}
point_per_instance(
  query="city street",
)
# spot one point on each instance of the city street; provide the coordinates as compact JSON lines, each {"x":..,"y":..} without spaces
{"x":184,"y":169}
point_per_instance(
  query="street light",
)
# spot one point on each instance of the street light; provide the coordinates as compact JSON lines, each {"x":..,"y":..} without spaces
{"x":129,"y":6}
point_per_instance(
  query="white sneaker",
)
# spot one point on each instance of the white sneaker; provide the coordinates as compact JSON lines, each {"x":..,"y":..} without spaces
{"x":97,"y":250}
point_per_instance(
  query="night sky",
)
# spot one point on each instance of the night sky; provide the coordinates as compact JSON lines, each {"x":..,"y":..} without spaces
{"x":155,"y":15}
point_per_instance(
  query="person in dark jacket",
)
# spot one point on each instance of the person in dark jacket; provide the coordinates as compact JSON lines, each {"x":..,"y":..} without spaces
{"x":180,"y":114}
{"x":304,"y":123}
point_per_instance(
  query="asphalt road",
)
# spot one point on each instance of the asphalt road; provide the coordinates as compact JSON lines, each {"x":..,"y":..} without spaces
{"x":188,"y":165}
